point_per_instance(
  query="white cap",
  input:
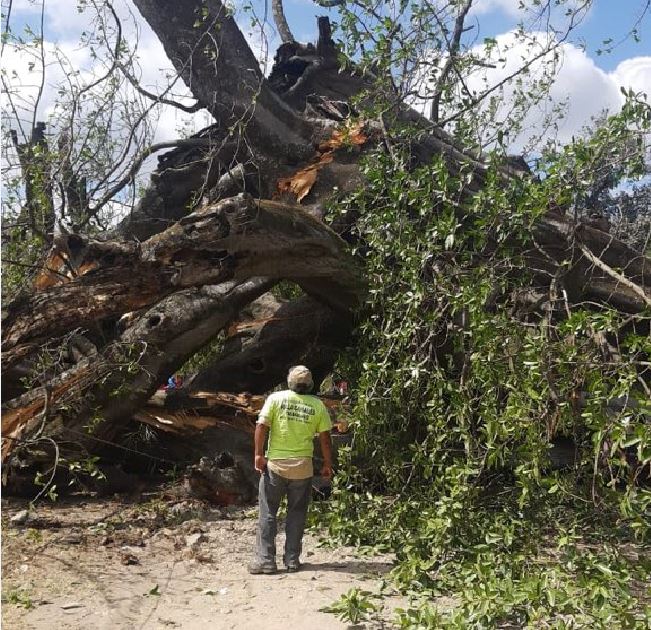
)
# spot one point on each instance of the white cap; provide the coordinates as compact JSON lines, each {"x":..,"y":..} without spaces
{"x":299,"y":377}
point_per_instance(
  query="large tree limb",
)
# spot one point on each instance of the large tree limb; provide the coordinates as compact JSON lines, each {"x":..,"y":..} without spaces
{"x":107,"y":389}
{"x":233,"y":239}
{"x":641,"y":292}
{"x":197,"y":274}
{"x":560,"y":241}
{"x":210,"y":53}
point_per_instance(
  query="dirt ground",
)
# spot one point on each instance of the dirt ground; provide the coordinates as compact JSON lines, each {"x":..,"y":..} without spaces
{"x":154,"y":563}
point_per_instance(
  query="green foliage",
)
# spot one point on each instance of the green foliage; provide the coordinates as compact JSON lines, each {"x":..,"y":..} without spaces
{"x":630,"y":214}
{"x":286,"y":290}
{"x":34,"y":535}
{"x":549,"y":575}
{"x":154,"y":591}
{"x":85,"y":468}
{"x":18,"y":597}
{"x":48,"y":489}
{"x":462,"y":389}
{"x":353,"y":606}
{"x":413,"y":52}
{"x":203,"y":358}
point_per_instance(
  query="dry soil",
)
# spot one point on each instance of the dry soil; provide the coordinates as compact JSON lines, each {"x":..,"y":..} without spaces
{"x":153,"y":563}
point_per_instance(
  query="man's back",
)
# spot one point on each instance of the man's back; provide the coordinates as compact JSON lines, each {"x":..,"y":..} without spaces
{"x":293,"y":420}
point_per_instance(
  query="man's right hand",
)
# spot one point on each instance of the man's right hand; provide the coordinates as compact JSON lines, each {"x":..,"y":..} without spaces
{"x":260,"y":463}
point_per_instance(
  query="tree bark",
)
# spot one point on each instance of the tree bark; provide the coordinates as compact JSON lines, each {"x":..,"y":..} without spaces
{"x":559,"y":240}
{"x":207,"y":48}
{"x":234,"y":239}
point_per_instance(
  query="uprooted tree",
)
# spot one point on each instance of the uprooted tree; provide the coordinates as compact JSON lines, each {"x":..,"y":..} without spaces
{"x":112,"y":311}
{"x":482,"y":312}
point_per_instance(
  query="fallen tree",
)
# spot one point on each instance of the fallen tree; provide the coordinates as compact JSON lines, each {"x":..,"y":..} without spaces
{"x":230,"y":213}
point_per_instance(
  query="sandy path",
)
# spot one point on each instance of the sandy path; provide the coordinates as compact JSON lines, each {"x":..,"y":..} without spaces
{"x":70,"y":564}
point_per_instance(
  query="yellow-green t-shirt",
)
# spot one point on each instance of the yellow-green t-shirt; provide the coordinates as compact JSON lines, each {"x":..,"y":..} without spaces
{"x":293,"y":419}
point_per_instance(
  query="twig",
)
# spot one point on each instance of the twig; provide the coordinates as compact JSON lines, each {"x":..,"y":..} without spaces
{"x":47,"y":486}
{"x":637,"y":289}
{"x":190,"y":109}
{"x":453,"y":52}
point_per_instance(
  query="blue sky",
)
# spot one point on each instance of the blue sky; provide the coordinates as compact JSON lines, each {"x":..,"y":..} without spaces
{"x":607,"y":19}
{"x":589,"y":82}
{"x":615,"y":18}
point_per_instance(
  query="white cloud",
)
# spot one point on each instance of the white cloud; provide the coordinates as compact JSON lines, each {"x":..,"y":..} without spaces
{"x":64,"y":26}
{"x":581,"y":91}
{"x":510,"y":7}
{"x":532,"y":9}
{"x":22,"y":70}
{"x":584,"y":88}
{"x":61,"y":17}
{"x":634,"y":73}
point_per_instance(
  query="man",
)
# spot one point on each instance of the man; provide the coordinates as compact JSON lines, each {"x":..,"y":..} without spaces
{"x":290,"y":418}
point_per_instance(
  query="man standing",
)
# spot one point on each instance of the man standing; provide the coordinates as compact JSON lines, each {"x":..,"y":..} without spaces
{"x":291,"y":418}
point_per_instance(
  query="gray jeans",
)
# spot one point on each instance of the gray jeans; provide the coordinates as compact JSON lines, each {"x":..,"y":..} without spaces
{"x":272,"y":489}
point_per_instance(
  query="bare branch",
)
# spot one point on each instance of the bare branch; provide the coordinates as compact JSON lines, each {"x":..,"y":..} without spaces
{"x":34,"y":163}
{"x":6,"y":29}
{"x":453,"y":53}
{"x":190,"y":109}
{"x":42,"y":62}
{"x":281,"y":22}
{"x":595,"y":260}
{"x":135,"y":167}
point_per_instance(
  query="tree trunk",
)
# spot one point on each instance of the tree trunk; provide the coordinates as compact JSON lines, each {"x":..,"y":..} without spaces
{"x":268,"y":338}
{"x":233,"y":239}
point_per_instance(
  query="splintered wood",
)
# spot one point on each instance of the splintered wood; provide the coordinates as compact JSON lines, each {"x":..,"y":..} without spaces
{"x":189,"y":421}
{"x":300,"y":183}
{"x":180,"y":413}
